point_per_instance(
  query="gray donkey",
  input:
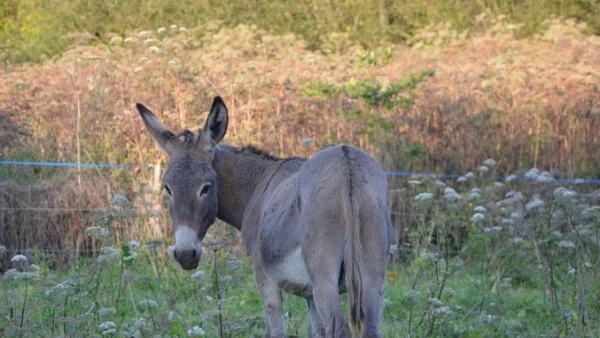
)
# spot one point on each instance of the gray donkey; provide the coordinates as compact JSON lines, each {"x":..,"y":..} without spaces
{"x":314,"y":227}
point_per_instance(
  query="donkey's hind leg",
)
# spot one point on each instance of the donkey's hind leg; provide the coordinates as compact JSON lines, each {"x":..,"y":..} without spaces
{"x":272,"y":304}
{"x":315,"y":325}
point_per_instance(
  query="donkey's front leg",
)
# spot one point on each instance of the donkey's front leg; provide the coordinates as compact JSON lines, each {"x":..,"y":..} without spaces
{"x":272,"y":304}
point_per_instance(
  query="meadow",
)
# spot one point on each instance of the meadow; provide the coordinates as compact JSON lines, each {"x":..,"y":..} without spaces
{"x":485,"y":258}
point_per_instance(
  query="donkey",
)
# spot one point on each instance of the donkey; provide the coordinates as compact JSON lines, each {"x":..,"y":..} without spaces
{"x":314,"y":227}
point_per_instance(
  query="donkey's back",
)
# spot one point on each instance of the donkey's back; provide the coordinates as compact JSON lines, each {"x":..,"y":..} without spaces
{"x":342,"y":213}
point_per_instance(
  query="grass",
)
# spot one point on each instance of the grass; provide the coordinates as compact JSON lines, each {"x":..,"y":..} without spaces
{"x":482,"y":258}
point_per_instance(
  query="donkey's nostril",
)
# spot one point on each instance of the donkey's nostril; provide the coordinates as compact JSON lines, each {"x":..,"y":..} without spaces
{"x":194,"y":254}
{"x":175,"y":254}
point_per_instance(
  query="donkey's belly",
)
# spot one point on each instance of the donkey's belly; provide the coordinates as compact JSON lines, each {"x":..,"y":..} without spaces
{"x":292,"y":276}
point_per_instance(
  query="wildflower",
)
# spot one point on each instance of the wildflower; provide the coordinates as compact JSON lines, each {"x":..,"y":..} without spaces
{"x":571,"y":271}
{"x":532,"y":174}
{"x":451,"y":194}
{"x":34,"y":268}
{"x":412,"y":294}
{"x":173,"y":26}
{"x":199,"y":275}
{"x":534,"y":204}
{"x":414,"y":182}
{"x":498,"y":184}
{"x":148,"y":303}
{"x":556,"y":234}
{"x":477,"y":217}
{"x":134,"y":244}
{"x":144,"y":34}
{"x":11,"y":274}
{"x":2,"y":249}
{"x":196,"y":331}
{"x":545,"y":177}
{"x":116,"y":40}
{"x":107,"y":328}
{"x":510,"y":178}
{"x":469,"y":175}
{"x":140,"y":323}
{"x":435,"y":302}
{"x":424,"y":196}
{"x":444,"y":310}
{"x":439,"y":184}
{"x":393,"y":249}
{"x":182,"y":29}
{"x":161,"y":30}
{"x":107,"y":254}
{"x":108,"y":311}
{"x":579,"y":181}
{"x":170,"y":315}
{"x":479,"y":209}
{"x":130,"y":257}
{"x":508,"y":221}
{"x":587,"y":212}
{"x":18,"y":259}
{"x":564,"y":193}
{"x":461,"y":179}
{"x":154,"y":49}
{"x":307,"y":141}
{"x":119,"y":199}
{"x":138,"y":69}
{"x":516,"y":215}
{"x":96,"y":232}
{"x":566,"y":245}
{"x":483,"y":170}
{"x":174,"y":61}
{"x":474,"y":195}
{"x":496,"y":229}
{"x":129,"y":40}
{"x":490,"y":162}
{"x":148,"y":41}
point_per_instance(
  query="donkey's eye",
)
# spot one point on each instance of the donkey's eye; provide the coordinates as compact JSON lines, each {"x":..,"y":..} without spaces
{"x":168,"y":190}
{"x":205,"y":189}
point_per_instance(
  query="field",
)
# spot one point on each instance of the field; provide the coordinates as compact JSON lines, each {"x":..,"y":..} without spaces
{"x":515,"y":259}
{"x":485,"y":114}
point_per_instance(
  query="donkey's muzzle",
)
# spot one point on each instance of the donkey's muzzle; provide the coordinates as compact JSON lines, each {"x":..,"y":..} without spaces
{"x":187,"y":258}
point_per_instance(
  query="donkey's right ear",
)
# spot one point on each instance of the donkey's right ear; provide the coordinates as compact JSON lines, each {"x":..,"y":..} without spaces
{"x":161,"y":134}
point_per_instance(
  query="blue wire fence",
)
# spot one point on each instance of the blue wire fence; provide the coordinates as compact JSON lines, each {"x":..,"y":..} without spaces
{"x":389,"y":173}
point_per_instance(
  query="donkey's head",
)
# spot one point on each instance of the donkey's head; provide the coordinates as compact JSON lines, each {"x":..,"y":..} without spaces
{"x":190,"y":180}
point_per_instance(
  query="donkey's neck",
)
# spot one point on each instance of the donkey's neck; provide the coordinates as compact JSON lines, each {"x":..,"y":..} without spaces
{"x":239,"y":173}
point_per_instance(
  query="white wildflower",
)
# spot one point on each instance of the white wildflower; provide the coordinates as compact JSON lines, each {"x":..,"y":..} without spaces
{"x":199,"y":275}
{"x":11,"y":274}
{"x":170,"y":315}
{"x":477,"y":217}
{"x":498,"y":184}
{"x":566,"y":245}
{"x":131,"y":257}
{"x":148,"y":42}
{"x":107,"y":311}
{"x":26,"y":276}
{"x":18,"y":259}
{"x":474,"y":196}
{"x":439,"y":184}
{"x":129,"y":40}
{"x":107,"y":325}
{"x":96,"y":232}
{"x":444,"y":310}
{"x":510,"y":178}
{"x":435,"y":302}
{"x":119,"y":199}
{"x":424,"y":196}
{"x":154,"y":49}
{"x":140,"y":323}
{"x":148,"y":303}
{"x":451,"y":194}
{"x":144,"y":59}
{"x":412,"y":294}
{"x":531,"y":175}
{"x":518,"y":196}
{"x":3,"y":249}
{"x":182,"y":29}
{"x":518,"y":240}
{"x":564,"y":193}
{"x":571,"y":272}
{"x":479,"y":209}
{"x":545,"y":177}
{"x":579,"y":181}
{"x":138,"y":69}
{"x":508,"y":221}
{"x":414,"y":182}
{"x":144,"y":34}
{"x":516,"y":215}
{"x":195,"y":331}
{"x":587,"y":212}
{"x":469,"y":175}
{"x":487,"y":230}
{"x":490,"y":162}
{"x":34,"y":268}
{"x":107,"y":254}
{"x":483,"y":169}
{"x":173,"y":26}
{"x":134,"y":244}
{"x":161,"y":30}
{"x":461,"y":179}
{"x":393,"y":249}
{"x":510,"y":194}
{"x":496,"y":229}
{"x":174,"y":61}
{"x":534,"y":204}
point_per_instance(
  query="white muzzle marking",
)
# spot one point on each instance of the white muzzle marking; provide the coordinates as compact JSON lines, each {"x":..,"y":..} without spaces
{"x":186,"y":239}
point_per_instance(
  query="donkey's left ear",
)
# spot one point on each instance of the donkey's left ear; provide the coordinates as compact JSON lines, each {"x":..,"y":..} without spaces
{"x":216,"y":123}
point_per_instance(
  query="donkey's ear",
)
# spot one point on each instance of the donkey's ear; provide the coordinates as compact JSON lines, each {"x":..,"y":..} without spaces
{"x":161,"y":134}
{"x":217,"y":120}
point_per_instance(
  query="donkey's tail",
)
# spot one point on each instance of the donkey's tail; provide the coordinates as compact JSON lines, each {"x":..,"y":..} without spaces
{"x":353,"y":262}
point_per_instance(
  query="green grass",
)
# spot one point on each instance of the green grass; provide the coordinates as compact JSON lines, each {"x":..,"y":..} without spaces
{"x":143,"y":300}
